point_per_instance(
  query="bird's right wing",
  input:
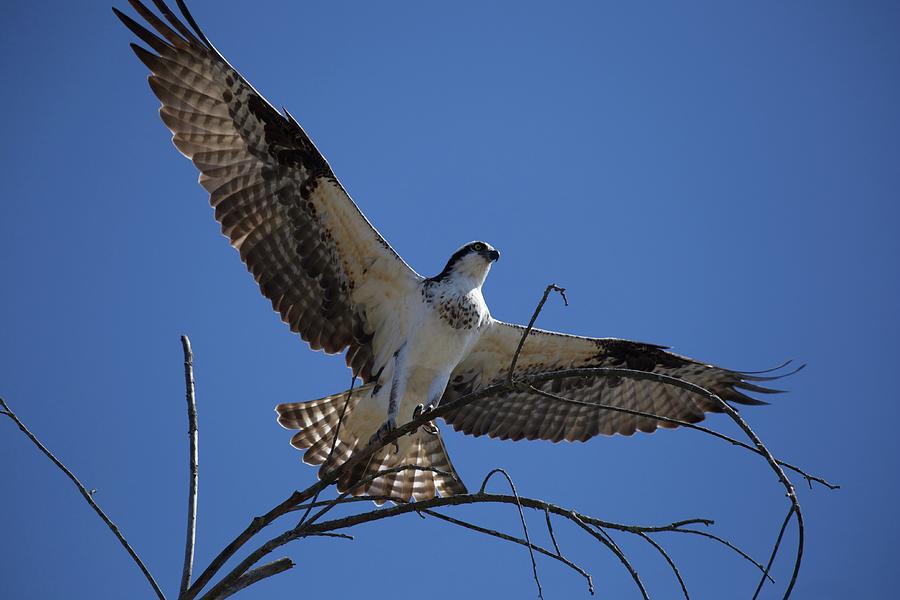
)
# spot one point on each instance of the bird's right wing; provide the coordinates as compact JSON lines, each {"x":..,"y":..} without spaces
{"x":580,"y":405}
{"x":326,"y":270}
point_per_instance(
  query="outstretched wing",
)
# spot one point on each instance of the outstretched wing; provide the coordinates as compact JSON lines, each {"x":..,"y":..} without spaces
{"x":524,"y":414}
{"x":326,"y":270}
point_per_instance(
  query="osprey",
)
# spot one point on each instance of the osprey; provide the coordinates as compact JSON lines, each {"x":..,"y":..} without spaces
{"x":414,"y":341}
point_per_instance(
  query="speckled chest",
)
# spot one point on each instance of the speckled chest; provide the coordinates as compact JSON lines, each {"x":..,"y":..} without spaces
{"x":458,"y":310}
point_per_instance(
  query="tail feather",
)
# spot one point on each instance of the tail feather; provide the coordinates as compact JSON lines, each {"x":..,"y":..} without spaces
{"x":435,"y":473}
{"x":317,"y":421}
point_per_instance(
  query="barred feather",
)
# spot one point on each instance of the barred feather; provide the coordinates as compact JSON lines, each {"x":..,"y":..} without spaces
{"x":317,"y":422}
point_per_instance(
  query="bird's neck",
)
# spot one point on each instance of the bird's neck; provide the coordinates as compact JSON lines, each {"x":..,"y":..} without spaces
{"x":468,"y":280}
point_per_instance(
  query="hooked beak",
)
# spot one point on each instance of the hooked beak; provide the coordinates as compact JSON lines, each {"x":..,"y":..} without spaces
{"x":493,"y":256}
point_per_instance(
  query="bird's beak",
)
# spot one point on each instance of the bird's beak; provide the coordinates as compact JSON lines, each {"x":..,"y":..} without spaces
{"x":493,"y":255}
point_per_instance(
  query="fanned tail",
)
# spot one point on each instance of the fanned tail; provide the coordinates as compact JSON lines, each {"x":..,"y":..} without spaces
{"x":317,"y":422}
{"x":429,"y":471}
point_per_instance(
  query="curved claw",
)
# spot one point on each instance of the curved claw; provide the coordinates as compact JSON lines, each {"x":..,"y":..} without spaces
{"x":429,"y":427}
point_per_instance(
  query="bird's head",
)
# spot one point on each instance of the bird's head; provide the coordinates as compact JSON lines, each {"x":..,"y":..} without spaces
{"x":470,"y":264}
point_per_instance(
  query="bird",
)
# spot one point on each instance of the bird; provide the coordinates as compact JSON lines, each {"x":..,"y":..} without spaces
{"x":414,"y":342}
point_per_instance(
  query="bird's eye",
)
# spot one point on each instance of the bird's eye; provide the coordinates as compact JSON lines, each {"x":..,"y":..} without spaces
{"x":478,"y":247}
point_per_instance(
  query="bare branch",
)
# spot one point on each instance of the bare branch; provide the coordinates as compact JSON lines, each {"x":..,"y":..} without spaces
{"x":349,"y":500}
{"x":342,"y":536}
{"x":367,"y":480}
{"x":725,"y":543}
{"x":268,"y":570}
{"x":244,"y":575}
{"x":537,"y":311}
{"x":788,"y":486}
{"x":503,"y":536}
{"x":512,"y":487}
{"x":329,"y":478}
{"x":300,"y":530}
{"x":87,"y":497}
{"x":312,"y":528}
{"x":191,"y":534}
{"x":602,"y":537}
{"x":334,"y":441}
{"x":762,"y":580}
{"x":256,"y":525}
{"x":550,"y":531}
{"x":669,"y":560}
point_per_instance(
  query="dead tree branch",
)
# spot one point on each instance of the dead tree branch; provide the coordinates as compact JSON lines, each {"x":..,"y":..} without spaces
{"x":190,"y":536}
{"x":250,"y":577}
{"x":537,"y":311}
{"x":87,"y":497}
{"x":669,"y":560}
{"x":312,"y":525}
{"x":504,"y":536}
{"x":512,"y":487}
{"x":329,"y":478}
{"x":762,"y":580}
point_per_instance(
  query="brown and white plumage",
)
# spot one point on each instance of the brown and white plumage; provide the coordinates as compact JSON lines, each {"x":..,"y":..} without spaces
{"x":338,"y":284}
{"x":310,"y":249}
{"x":329,"y":274}
{"x":519,"y":415}
{"x":318,"y":421}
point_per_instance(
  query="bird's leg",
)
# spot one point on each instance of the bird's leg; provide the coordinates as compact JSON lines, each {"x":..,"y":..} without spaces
{"x":421,"y":409}
{"x":398,"y":387}
{"x":434,"y":398}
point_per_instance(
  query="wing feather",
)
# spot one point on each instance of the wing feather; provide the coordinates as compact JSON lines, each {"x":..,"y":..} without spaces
{"x":325,"y":269}
{"x":578,"y":413}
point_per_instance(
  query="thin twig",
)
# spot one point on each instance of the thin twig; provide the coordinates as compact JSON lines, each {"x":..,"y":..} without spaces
{"x":537,"y":311}
{"x":250,"y":577}
{"x":191,"y":535}
{"x":630,"y":373}
{"x":364,"y":482}
{"x":762,"y":580}
{"x":602,"y":537}
{"x":342,"y":536}
{"x":669,"y":560}
{"x":512,"y":486}
{"x":788,"y":486}
{"x":88,"y":498}
{"x":725,"y":543}
{"x":350,"y":500}
{"x":503,"y":536}
{"x":334,"y":441}
{"x":550,"y":531}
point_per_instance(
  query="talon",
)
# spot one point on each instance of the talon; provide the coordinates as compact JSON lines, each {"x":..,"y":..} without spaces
{"x":428,"y":427}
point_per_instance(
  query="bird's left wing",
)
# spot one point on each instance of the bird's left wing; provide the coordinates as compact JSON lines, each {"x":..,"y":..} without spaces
{"x":326,"y":270}
{"x":576,"y":412}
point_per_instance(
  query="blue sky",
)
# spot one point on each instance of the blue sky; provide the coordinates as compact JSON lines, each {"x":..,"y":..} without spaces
{"x":721,"y":177}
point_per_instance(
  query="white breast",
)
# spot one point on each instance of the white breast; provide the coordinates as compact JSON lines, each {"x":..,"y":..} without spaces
{"x":448,"y":323}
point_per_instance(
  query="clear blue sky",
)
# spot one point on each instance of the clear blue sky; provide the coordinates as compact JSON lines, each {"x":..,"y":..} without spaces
{"x":721,"y":177}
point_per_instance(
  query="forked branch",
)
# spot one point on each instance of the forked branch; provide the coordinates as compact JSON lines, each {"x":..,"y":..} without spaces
{"x":312,"y":525}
